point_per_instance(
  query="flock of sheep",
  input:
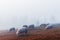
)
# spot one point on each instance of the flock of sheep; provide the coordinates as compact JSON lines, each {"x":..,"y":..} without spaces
{"x":25,"y":28}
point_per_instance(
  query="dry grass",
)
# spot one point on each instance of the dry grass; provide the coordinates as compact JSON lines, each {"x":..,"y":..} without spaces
{"x":50,"y":34}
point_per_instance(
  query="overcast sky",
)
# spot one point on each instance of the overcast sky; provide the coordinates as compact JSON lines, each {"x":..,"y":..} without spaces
{"x":14,"y":13}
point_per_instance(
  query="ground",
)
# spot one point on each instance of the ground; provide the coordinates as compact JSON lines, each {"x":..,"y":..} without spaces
{"x":49,"y":34}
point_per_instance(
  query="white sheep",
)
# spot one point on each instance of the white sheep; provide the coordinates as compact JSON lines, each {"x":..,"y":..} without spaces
{"x":20,"y":31}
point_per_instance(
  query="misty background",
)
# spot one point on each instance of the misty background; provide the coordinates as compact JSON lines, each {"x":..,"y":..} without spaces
{"x":14,"y":13}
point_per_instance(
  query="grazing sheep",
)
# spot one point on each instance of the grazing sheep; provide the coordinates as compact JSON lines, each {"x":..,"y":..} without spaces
{"x":49,"y":27}
{"x":31,"y":26}
{"x":21,"y":31}
{"x":42,"y":26}
{"x":12,"y":29}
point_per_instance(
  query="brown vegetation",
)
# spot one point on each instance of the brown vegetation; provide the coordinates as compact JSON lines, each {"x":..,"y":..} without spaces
{"x":48,"y":34}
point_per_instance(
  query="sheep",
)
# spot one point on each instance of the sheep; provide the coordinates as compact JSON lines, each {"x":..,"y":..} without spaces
{"x":12,"y":29}
{"x":31,"y":26}
{"x":49,"y":27}
{"x":21,"y":31}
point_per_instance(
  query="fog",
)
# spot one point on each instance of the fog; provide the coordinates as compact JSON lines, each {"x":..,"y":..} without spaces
{"x":14,"y":13}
